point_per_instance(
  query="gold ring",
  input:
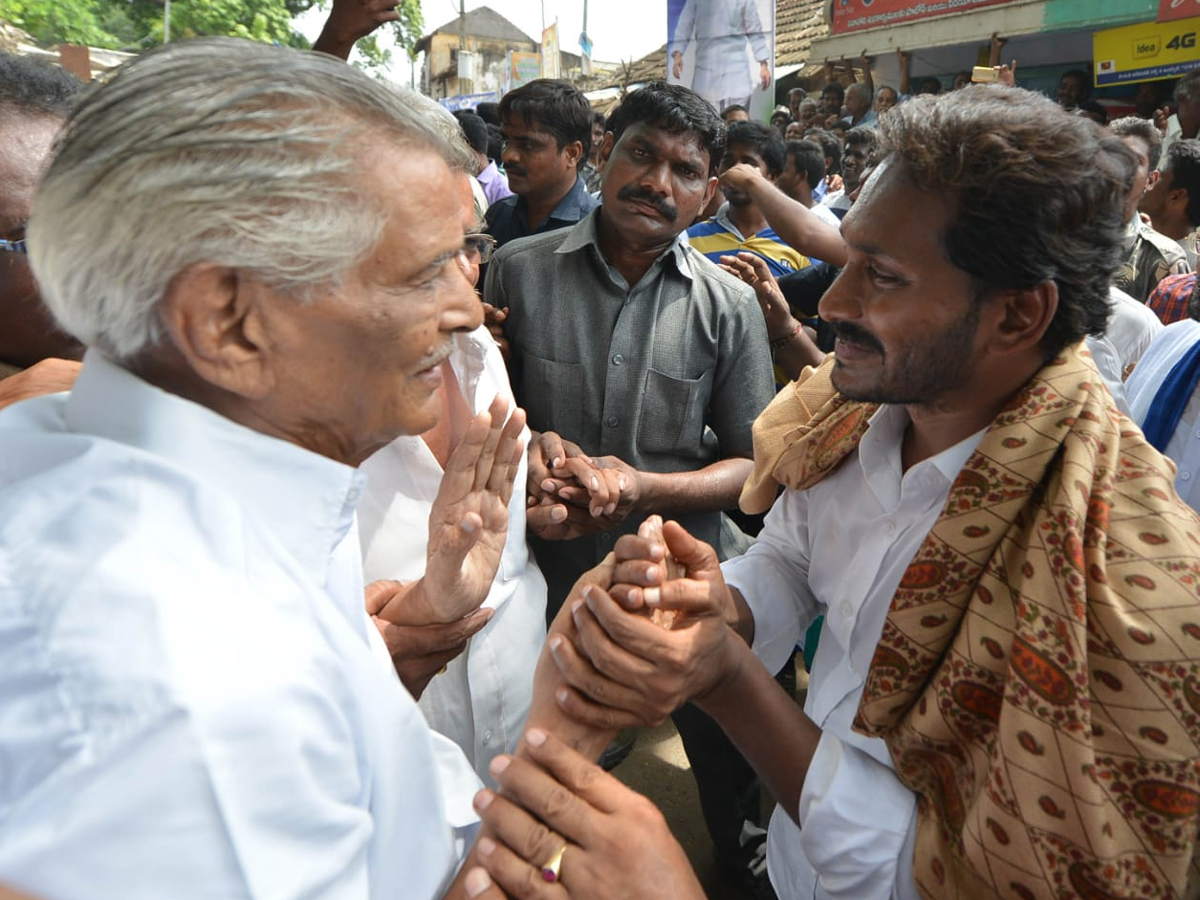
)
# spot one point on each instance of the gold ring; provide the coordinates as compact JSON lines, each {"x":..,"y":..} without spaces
{"x":552,"y":865}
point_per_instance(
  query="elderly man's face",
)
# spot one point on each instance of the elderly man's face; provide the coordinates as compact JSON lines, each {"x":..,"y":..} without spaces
{"x":27,"y":330}
{"x":363,"y":361}
{"x":905,"y":318}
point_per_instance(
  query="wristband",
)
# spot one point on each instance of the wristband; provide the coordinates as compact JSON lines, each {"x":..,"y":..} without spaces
{"x":785,"y":339}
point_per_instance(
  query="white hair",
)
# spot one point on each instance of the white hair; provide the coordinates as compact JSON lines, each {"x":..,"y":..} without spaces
{"x":218,"y":150}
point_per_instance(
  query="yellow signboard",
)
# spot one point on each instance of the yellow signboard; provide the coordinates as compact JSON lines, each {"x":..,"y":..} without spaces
{"x":1145,"y":52}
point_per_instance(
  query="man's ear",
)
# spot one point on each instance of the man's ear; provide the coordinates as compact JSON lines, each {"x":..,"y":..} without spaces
{"x":1022,"y":317}
{"x":1152,"y":179}
{"x":574,"y":153}
{"x":215,"y":318}
{"x":713,"y":184}
{"x":606,"y":147}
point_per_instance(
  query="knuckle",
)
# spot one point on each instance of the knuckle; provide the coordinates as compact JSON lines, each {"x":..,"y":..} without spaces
{"x":557,"y":802}
{"x":536,"y":842}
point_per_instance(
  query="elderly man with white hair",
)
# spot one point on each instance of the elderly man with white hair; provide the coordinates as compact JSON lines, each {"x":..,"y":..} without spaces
{"x":257,"y":245}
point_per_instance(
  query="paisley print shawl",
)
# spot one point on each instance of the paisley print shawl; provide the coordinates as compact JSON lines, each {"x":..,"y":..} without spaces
{"x":1038,"y":678}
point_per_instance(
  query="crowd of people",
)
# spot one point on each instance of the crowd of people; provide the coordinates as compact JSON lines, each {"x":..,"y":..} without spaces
{"x":366,"y":471}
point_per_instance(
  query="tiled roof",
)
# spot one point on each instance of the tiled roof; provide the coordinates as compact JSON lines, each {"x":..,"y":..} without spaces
{"x":483,"y":22}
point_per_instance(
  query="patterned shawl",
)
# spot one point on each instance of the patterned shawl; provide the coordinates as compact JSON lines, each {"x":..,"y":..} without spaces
{"x":1038,"y":678}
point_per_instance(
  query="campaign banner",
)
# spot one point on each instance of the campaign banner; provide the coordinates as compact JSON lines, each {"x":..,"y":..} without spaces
{"x":724,"y":50}
{"x":862,"y":15}
{"x":1145,"y":52}
{"x":468,"y":101}
{"x":1170,"y":10}
{"x":551,"y":58}
{"x":522,"y":68}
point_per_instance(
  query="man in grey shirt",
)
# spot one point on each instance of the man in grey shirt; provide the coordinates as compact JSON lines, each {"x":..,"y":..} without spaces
{"x":641,"y":363}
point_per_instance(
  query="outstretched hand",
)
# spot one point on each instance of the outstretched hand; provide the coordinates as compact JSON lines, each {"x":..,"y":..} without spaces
{"x":468,"y":523}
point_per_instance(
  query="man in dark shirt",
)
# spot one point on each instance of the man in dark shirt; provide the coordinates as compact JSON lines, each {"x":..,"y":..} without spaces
{"x":547,"y":129}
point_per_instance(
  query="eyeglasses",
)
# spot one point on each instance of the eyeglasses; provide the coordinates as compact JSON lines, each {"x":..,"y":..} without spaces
{"x":20,"y":247}
{"x":478,"y":247}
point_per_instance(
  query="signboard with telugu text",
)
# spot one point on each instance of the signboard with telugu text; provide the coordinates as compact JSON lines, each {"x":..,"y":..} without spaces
{"x":863,"y":15}
{"x":1145,"y":52}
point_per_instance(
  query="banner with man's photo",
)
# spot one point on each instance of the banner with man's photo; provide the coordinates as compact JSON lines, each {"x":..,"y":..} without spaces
{"x":724,"y":50}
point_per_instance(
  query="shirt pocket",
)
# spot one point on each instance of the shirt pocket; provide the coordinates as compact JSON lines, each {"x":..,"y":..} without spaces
{"x":552,"y":396}
{"x":673,"y":411}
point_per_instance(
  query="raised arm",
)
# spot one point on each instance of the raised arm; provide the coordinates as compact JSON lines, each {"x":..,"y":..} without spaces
{"x":799,"y":227}
{"x":351,"y":20}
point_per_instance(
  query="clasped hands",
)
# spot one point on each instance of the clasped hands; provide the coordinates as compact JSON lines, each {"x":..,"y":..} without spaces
{"x":609,"y":664}
{"x":571,"y":494}
{"x":427,"y":622}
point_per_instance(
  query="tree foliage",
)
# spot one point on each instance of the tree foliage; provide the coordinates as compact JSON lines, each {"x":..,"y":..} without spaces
{"x":134,"y":25}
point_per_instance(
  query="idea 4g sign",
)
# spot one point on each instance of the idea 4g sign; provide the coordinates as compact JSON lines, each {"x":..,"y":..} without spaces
{"x":1147,"y":51}
{"x":1169,"y":10}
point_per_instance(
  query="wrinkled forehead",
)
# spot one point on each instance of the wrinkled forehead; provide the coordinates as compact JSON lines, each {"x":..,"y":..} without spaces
{"x":682,"y":145}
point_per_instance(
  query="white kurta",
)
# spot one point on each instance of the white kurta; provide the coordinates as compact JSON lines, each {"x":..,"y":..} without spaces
{"x":480,"y":702}
{"x":193,"y":702}
{"x":1156,"y":364}
{"x":840,"y":549}
{"x":721,"y":30}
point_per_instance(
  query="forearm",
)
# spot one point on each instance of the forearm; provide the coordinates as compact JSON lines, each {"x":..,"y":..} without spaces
{"x":711,"y":489}
{"x":766,"y":725}
{"x":796,"y":352}
{"x":798,"y":226}
{"x":334,"y":43}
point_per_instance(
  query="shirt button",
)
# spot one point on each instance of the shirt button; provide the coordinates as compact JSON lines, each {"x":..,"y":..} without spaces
{"x":846,"y":609}
{"x":605,"y":537}
{"x":889,"y":527}
{"x":612,"y":421}
{"x":487,"y":738}
{"x":618,"y":360}
{"x":1185,"y":476}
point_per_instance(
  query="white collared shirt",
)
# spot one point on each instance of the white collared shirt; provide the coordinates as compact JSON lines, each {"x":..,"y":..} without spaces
{"x":840,"y":549}
{"x":193,"y":702}
{"x":1156,"y":364}
{"x":481,"y":700}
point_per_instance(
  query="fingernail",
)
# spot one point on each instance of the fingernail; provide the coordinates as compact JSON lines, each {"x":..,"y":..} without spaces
{"x":498,"y":765}
{"x":595,"y":482}
{"x":653,"y":576}
{"x":621,"y":482}
{"x":608,"y":510}
{"x":556,"y":642}
{"x":556,"y":462}
{"x":535,"y":736}
{"x":652,"y":596}
{"x":486,"y":846}
{"x":575,"y":604}
{"x":484,"y":799}
{"x":561,"y":696}
{"x":558,"y":514}
{"x":467,"y":525}
{"x":477,"y":880}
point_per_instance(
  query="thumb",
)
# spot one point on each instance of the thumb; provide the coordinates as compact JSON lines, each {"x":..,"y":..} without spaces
{"x":697,"y":557}
{"x":378,"y":593}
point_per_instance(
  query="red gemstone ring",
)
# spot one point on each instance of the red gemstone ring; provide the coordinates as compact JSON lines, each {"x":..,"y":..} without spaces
{"x":552,"y":865}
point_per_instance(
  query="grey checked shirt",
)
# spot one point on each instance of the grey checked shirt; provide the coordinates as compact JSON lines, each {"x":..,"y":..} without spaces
{"x":668,"y":375}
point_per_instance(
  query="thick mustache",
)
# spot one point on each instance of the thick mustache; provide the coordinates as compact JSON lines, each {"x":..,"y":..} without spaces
{"x":664,"y":209}
{"x":856,"y":334}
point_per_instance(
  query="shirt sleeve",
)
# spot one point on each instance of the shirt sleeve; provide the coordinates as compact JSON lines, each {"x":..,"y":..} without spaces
{"x":772,"y":576}
{"x":859,"y":851}
{"x":744,"y":382}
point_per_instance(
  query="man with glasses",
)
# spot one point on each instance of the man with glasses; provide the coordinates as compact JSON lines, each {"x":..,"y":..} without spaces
{"x":34,"y":99}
